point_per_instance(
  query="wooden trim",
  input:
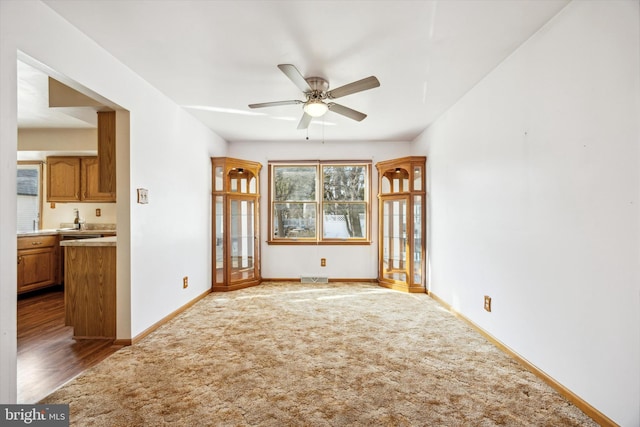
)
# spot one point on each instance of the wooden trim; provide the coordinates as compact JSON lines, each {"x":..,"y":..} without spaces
{"x":585,"y":407}
{"x":162,"y":321}
{"x":107,"y":152}
{"x":236,"y":285}
{"x":312,"y":242}
{"x":318,"y":202}
{"x":331,"y":280}
{"x":353,"y":280}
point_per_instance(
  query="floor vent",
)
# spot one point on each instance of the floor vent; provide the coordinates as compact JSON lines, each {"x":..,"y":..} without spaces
{"x":313,"y":279}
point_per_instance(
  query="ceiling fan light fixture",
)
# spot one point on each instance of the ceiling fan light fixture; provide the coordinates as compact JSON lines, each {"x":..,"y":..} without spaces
{"x":315,"y":108}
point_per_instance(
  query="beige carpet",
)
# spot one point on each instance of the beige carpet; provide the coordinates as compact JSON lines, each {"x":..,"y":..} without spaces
{"x":288,"y":354}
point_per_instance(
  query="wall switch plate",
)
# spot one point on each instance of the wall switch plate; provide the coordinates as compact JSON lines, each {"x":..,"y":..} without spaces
{"x":487,"y":303}
{"x":143,"y":196}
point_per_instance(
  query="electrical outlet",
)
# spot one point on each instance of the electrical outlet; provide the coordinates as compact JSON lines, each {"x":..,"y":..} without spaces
{"x":323,"y":262}
{"x":185,"y":282}
{"x":487,"y":303}
{"x":98,"y":212}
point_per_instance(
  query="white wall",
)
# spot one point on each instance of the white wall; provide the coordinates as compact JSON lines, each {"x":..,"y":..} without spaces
{"x":168,"y":153}
{"x":344,"y":262}
{"x":534,"y":195}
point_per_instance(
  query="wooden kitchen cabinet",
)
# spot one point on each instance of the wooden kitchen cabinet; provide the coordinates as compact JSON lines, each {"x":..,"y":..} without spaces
{"x":90,"y":182}
{"x":75,"y":179}
{"x":90,"y":289}
{"x":37,"y":262}
{"x":107,"y":151}
{"x":63,"y":179}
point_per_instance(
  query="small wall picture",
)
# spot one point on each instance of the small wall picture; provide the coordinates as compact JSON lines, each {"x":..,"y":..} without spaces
{"x":143,"y":196}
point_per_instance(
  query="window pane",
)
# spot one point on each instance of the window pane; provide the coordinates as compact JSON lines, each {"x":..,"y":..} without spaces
{"x":29,"y":196}
{"x":417,"y":178}
{"x":386,"y":185}
{"x":294,"y":183}
{"x":344,"y":220}
{"x":294,"y":220}
{"x":242,"y":239}
{"x":219,"y":235}
{"x":417,"y":240}
{"x":344,"y":183}
{"x":394,"y":250}
{"x":219,"y":179}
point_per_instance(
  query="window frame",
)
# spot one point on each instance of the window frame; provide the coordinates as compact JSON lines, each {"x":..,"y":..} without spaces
{"x":319,"y":203}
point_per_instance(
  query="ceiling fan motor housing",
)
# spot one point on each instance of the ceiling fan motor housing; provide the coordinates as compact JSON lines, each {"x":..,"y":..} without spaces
{"x":316,"y":90}
{"x":318,"y":83}
{"x":319,"y":87}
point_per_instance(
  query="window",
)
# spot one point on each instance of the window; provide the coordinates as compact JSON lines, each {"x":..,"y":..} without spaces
{"x":29,"y":195}
{"x":319,"y":202}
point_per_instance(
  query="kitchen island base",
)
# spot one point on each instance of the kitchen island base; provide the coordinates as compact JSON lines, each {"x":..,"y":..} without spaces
{"x":90,"y":287}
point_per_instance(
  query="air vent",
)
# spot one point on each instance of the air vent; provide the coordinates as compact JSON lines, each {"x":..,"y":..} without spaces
{"x":313,"y":279}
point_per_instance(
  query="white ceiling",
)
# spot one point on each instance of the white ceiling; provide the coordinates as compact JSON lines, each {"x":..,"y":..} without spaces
{"x":214,"y":57}
{"x":33,"y":104}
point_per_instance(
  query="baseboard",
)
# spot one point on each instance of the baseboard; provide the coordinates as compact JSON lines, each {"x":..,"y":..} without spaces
{"x":585,"y":407}
{"x":161,"y":322}
{"x":353,"y":280}
{"x":297,"y":279}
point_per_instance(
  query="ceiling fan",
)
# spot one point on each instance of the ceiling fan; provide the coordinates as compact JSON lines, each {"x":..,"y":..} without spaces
{"x":316,"y":91}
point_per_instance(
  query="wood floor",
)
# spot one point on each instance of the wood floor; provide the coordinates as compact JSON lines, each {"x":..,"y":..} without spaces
{"x":48,"y":356}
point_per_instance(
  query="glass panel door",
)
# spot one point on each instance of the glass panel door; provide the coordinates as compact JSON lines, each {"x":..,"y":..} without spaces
{"x":242,"y":238}
{"x":394,"y":239}
{"x":219,"y":240}
{"x":417,"y":240}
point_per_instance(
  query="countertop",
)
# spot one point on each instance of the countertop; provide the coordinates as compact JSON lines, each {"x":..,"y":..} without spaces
{"x":64,"y":231}
{"x":98,"y":241}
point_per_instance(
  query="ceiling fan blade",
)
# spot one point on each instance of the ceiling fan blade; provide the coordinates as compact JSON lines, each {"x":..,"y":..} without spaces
{"x":346,"y":111}
{"x":294,"y":75}
{"x":304,"y":121}
{"x":359,"y":86}
{"x":275,"y":104}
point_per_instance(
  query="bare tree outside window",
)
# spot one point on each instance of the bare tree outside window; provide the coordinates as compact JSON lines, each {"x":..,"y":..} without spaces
{"x":294,"y":189}
{"x":336,"y":191}
{"x":346,"y":186}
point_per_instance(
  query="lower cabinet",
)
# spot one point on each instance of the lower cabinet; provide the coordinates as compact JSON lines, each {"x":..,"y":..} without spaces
{"x":37,"y":262}
{"x":90,"y":290}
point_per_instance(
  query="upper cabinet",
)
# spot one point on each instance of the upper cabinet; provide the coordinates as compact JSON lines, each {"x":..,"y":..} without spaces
{"x":75,"y":179}
{"x":63,"y":179}
{"x":107,"y":152}
{"x":90,"y":178}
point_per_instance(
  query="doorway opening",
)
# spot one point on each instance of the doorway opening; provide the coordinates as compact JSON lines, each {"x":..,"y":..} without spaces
{"x":47,"y":353}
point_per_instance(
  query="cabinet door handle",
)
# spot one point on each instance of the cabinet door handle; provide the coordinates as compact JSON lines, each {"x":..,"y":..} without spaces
{"x":36,"y":243}
{"x":19,"y":259}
